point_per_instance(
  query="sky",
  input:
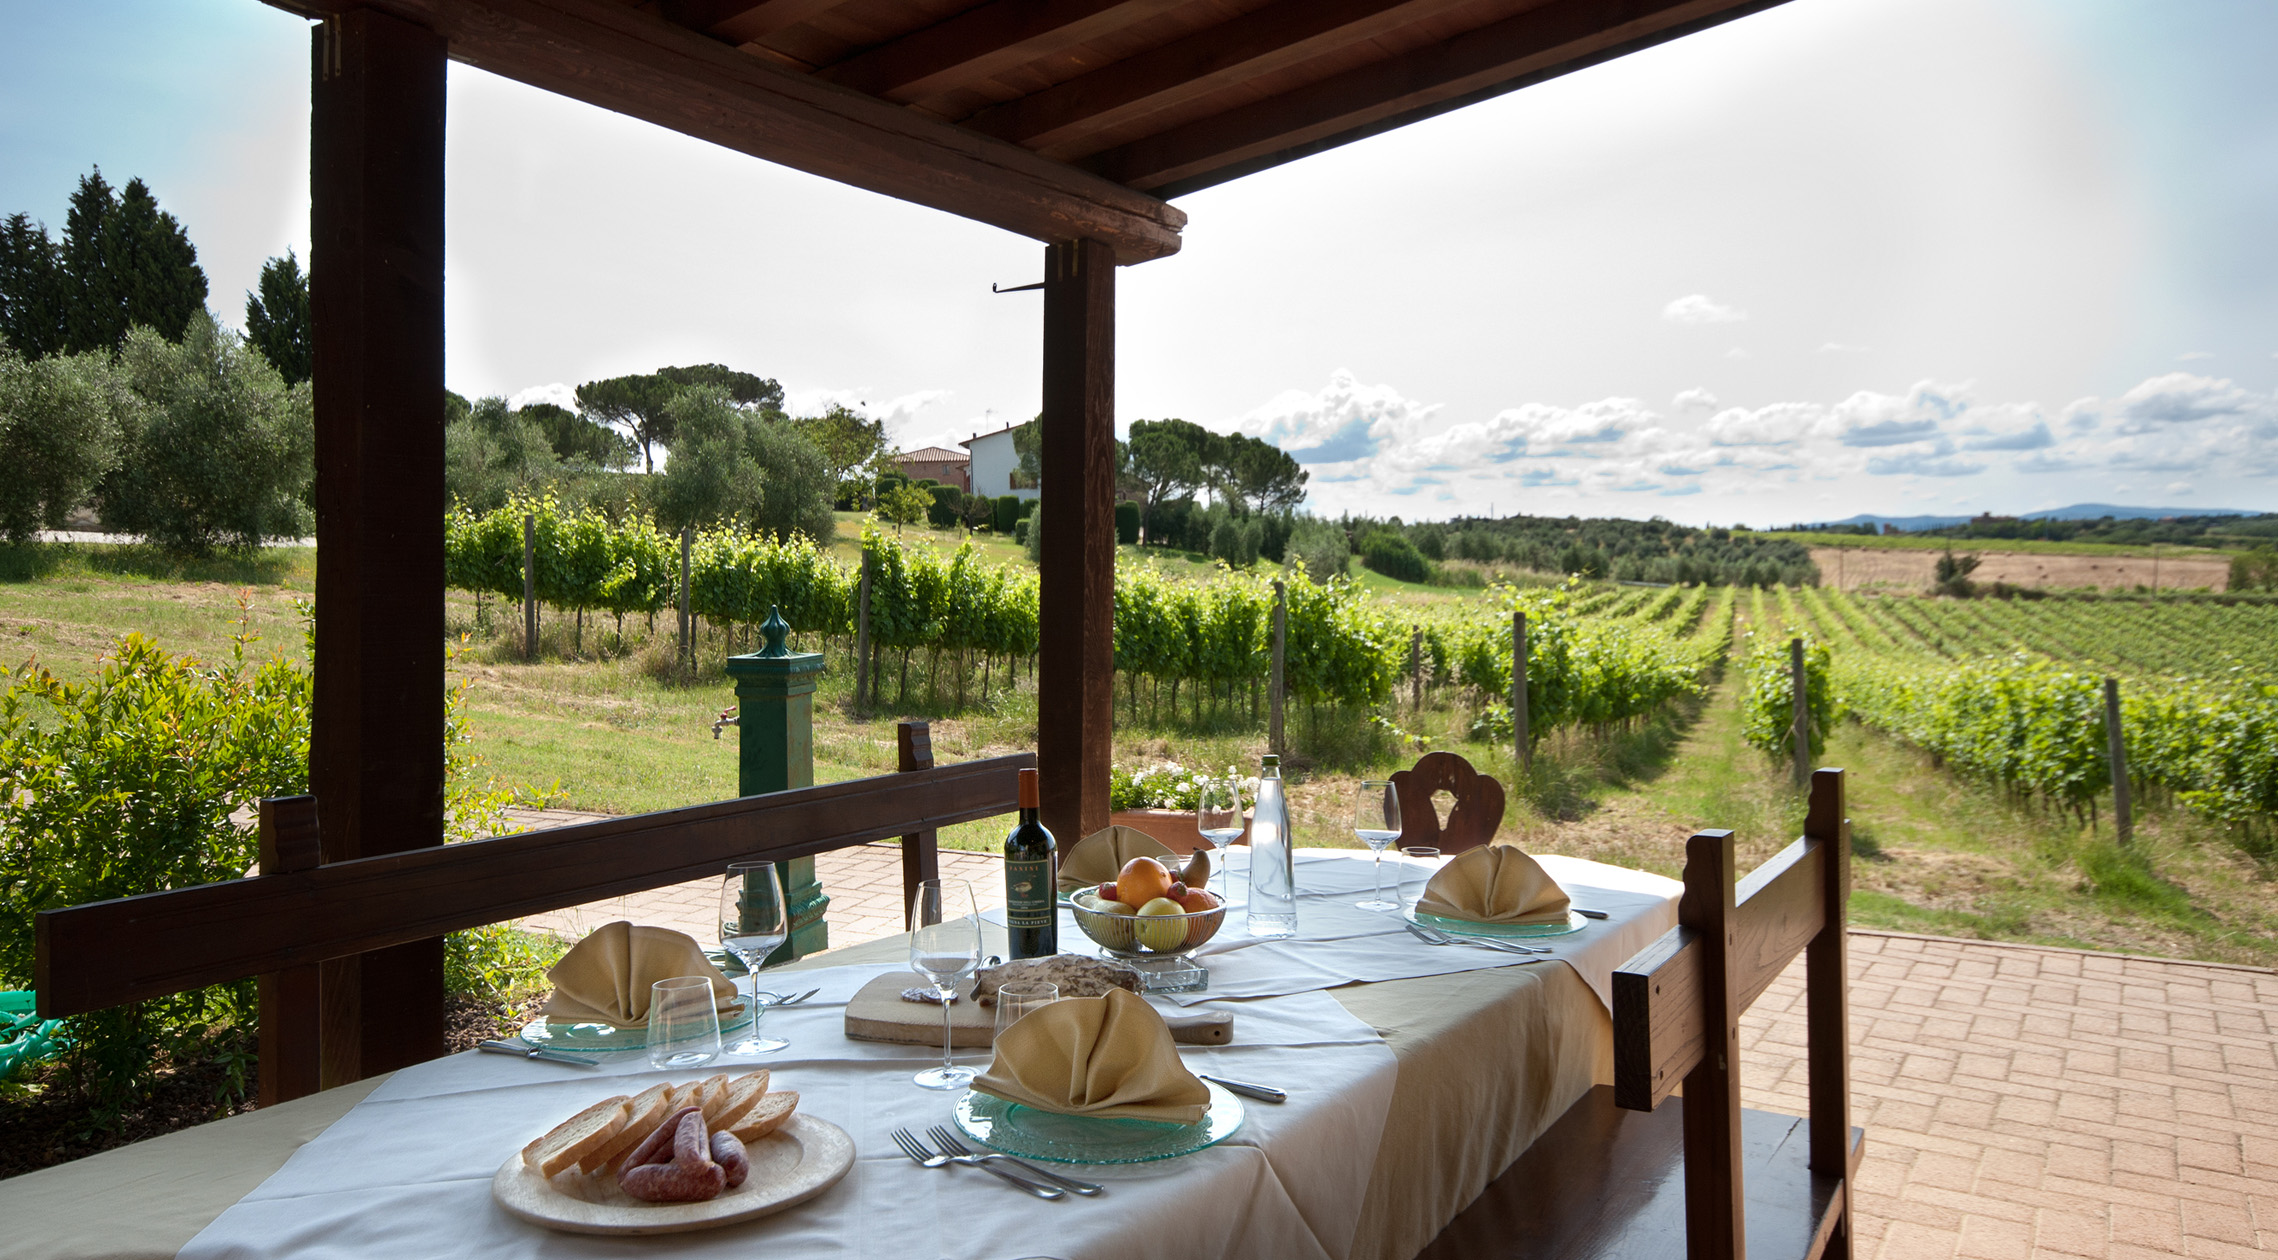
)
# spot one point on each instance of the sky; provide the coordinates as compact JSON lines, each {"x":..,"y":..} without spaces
{"x":1892,"y":256}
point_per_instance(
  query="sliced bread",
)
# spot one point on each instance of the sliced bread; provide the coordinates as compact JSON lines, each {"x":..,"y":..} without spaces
{"x":766,"y":1117}
{"x":743,"y":1094}
{"x":575,"y":1138}
{"x":643,"y":1113}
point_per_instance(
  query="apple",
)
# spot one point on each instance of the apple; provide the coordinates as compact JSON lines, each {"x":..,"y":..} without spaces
{"x":1143,"y":880}
{"x":1106,"y":891}
{"x":1159,"y":928}
{"x":1178,"y":890}
{"x":1111,"y":907}
{"x":1196,"y":901}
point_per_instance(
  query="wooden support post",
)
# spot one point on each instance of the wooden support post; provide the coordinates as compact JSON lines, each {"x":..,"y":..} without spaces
{"x":1075,"y":680}
{"x":291,"y":1017}
{"x":1799,"y":688}
{"x":1416,"y":667}
{"x":2123,"y":804}
{"x":1714,"y":1195}
{"x":1827,"y":1018}
{"x":687,"y":643}
{"x":376,"y":299}
{"x":1520,"y":734}
{"x":1278,"y":686}
{"x":921,"y":850}
{"x":862,"y":638}
{"x":529,"y":587}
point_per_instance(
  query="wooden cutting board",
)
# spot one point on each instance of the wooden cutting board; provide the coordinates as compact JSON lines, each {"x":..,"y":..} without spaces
{"x":878,"y":1013}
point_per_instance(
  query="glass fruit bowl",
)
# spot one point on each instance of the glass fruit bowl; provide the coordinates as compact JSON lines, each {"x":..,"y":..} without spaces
{"x":1138,"y":936}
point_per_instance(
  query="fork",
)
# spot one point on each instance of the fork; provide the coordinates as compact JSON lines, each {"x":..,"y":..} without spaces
{"x":953,"y":1145}
{"x":1431,"y":937}
{"x":777,"y":999}
{"x":925,"y":1158}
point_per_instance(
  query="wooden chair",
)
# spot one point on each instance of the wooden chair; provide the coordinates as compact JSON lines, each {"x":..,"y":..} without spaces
{"x":1604,"y":1180}
{"x":1471,"y":822}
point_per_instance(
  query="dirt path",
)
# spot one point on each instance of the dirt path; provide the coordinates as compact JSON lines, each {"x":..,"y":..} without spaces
{"x":1848,"y":569}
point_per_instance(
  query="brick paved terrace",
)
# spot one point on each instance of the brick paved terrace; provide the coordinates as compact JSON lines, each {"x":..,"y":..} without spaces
{"x":2020,"y":1103}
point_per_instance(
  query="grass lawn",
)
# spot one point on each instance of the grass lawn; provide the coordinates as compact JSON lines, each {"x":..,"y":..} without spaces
{"x":1934,"y":853}
{"x":2019,"y":546}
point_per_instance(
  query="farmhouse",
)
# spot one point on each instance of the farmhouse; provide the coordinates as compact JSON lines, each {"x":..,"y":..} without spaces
{"x":996,"y":465}
{"x":937,"y":463}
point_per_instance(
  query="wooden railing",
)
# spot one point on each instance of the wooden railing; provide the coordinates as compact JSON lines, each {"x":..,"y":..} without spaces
{"x":297,"y":913}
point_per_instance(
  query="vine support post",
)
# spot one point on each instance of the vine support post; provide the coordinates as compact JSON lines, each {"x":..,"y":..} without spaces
{"x":2123,"y":808}
{"x":1520,"y":735}
{"x":862,"y":636}
{"x":529,"y":587}
{"x":1278,"y":690}
{"x":687,"y":645}
{"x":1416,"y":666}
{"x":1799,"y":689}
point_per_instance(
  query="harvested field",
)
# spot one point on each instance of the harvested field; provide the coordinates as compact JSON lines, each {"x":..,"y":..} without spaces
{"x":1849,"y":569}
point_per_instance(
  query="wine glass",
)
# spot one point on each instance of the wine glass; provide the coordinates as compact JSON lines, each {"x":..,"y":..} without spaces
{"x":1218,"y":816}
{"x":752,"y":927}
{"x":1376,"y":820}
{"x":945,"y":947}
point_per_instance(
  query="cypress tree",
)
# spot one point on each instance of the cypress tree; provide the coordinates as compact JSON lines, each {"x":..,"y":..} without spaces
{"x":31,"y":288}
{"x":277,"y":320}
{"x":126,"y":262}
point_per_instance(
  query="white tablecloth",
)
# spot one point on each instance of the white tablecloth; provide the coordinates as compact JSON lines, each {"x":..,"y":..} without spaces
{"x":1338,"y":944}
{"x":407,"y":1172}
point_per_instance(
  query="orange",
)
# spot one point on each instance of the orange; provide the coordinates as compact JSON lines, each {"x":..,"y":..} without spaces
{"x":1143,"y":879}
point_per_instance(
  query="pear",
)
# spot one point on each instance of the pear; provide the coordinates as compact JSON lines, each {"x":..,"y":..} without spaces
{"x":1197,"y":870}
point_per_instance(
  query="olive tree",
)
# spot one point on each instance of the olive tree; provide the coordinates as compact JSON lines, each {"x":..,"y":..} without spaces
{"x":59,"y":433}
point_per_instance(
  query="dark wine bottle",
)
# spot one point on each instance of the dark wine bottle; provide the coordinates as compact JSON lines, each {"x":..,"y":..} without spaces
{"x":1032,"y":915}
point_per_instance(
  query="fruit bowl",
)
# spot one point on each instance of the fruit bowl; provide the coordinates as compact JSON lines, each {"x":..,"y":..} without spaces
{"x":1137,"y":936}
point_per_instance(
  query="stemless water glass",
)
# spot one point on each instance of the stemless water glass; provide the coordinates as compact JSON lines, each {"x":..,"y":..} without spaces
{"x":684,"y":1023}
{"x":945,"y":947}
{"x":1376,"y":820}
{"x":752,"y":926}
{"x":1020,"y":997}
{"x":1218,"y":816}
{"x":1419,"y":862}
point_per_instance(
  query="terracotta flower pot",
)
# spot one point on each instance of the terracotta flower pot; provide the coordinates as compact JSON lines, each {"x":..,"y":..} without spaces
{"x":1173,"y":828}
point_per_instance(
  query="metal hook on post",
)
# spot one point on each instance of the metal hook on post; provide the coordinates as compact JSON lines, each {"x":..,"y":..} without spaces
{"x":1018,"y":288}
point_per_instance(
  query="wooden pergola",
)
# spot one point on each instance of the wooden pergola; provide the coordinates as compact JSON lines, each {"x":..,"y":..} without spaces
{"x":1066,"y":121}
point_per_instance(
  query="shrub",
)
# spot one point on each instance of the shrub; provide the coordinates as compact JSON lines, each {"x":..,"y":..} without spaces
{"x":947,"y":508}
{"x":1008,"y":511}
{"x":1322,"y":549}
{"x":1033,"y":537}
{"x":1392,"y":555}
{"x":1126,"y":522}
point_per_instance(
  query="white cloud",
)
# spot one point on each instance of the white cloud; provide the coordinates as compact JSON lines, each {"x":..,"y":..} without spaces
{"x":2189,"y":356}
{"x":899,"y":412}
{"x":1693,"y":400}
{"x":2178,"y":487}
{"x":1837,"y":347}
{"x":557,"y":393}
{"x":1867,"y":418}
{"x":1345,"y":421}
{"x":2181,"y":398}
{"x":1775,"y":425}
{"x":1738,"y":352}
{"x":1699,"y":308}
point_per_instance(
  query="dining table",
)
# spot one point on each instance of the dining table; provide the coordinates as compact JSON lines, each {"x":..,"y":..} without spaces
{"x":1414,"y":1072}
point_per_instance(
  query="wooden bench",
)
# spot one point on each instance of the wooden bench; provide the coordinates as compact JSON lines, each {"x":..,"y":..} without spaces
{"x":1620,"y":1174}
{"x":300,"y":924}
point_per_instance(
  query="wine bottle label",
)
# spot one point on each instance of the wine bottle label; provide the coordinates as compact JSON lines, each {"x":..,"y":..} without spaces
{"x":1029,"y":894}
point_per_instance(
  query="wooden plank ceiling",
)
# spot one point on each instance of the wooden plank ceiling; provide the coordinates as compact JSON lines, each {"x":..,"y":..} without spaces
{"x":1051,"y":118}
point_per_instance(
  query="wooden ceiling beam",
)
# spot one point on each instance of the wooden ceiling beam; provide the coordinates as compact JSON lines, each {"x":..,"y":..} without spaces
{"x":981,"y":42}
{"x":1257,"y":42}
{"x":1541,"y":43}
{"x":640,"y":65}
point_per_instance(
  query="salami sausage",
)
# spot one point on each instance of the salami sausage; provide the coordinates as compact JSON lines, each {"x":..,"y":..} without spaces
{"x":657,"y":1147}
{"x":728,"y":1153}
{"x":690,"y":1177}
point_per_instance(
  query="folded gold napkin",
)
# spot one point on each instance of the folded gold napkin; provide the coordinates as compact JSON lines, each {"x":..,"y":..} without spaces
{"x":1108,"y":1056}
{"x":1099,"y":857}
{"x":605,"y":978}
{"x":1494,"y":883}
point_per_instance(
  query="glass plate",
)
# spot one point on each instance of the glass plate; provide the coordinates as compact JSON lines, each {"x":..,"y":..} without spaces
{"x":1019,"y":1130}
{"x":1465,"y":927}
{"x":606,"y":1038}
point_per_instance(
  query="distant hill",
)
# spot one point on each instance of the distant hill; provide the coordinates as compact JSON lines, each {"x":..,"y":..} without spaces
{"x":2076,"y":512}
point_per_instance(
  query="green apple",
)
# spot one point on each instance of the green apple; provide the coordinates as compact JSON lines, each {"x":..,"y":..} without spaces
{"x":1166,"y":935}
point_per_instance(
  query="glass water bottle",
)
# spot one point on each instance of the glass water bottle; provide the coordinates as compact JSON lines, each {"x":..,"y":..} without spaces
{"x":1273,"y":864}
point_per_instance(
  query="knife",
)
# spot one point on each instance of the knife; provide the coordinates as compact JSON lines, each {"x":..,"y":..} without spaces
{"x":1263,"y":1093}
{"x":1590,"y":914}
{"x":521,"y":1051}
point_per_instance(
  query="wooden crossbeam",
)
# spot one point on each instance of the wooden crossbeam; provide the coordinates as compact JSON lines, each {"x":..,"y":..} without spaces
{"x":192,"y":937}
{"x":1259,"y":42}
{"x":1540,"y":43}
{"x":980,"y":42}
{"x":639,"y":64}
